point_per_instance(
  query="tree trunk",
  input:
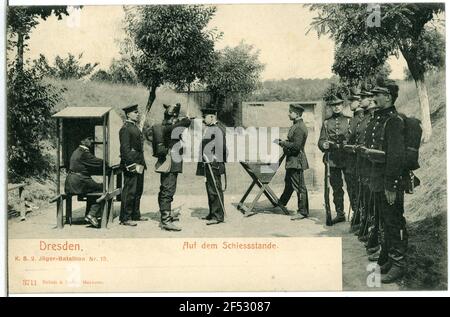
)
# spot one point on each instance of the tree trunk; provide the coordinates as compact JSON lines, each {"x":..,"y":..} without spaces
{"x":151,"y":99}
{"x":20,"y":45}
{"x":425,"y":106}
{"x":418,"y":74}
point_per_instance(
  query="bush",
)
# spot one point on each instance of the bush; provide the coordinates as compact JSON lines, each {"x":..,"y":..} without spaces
{"x":30,"y":103}
{"x":63,"y":68}
{"x":101,"y":75}
{"x":122,"y":72}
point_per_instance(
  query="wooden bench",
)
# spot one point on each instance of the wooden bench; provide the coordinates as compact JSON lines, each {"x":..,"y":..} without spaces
{"x":20,"y":187}
{"x":105,"y":199}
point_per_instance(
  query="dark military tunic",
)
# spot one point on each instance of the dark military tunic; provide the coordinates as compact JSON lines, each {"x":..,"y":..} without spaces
{"x":171,"y":144}
{"x":83,"y":164}
{"x":362,"y":166}
{"x":214,"y":147}
{"x":131,"y":151}
{"x":351,"y":167}
{"x":385,"y":133}
{"x":336,"y":129}
{"x":296,"y":163}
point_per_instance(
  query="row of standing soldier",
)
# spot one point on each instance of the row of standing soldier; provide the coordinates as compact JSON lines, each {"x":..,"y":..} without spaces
{"x":352,"y":148}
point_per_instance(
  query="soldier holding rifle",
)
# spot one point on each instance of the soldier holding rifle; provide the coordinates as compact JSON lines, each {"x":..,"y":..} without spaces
{"x":388,"y":179}
{"x":333,"y":136}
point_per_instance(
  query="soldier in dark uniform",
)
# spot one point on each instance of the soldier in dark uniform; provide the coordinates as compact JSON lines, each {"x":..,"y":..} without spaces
{"x":213,"y":146}
{"x":333,"y":136}
{"x":373,"y":241}
{"x":352,"y":184}
{"x":83,"y":164}
{"x":363,"y":166}
{"x":133,"y":162}
{"x":388,"y":179}
{"x":172,"y":128}
{"x":296,"y":162}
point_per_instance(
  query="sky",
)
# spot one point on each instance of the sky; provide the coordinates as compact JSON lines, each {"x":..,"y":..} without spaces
{"x":278,"y":31}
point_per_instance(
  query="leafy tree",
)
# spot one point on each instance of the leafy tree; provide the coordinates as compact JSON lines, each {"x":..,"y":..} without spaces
{"x":71,"y":67}
{"x":121,"y":71}
{"x":101,"y":75}
{"x":42,"y":67}
{"x":169,"y":44}
{"x":21,"y":20}
{"x":30,"y":104}
{"x":236,"y":71}
{"x":403,"y":28}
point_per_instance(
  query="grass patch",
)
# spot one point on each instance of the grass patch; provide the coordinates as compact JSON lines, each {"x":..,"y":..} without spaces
{"x":427,"y":254}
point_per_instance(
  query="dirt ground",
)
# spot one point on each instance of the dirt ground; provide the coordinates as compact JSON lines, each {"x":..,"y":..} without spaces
{"x":41,"y":224}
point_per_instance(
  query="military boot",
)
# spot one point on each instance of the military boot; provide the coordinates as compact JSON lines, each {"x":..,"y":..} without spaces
{"x":299,"y":215}
{"x":170,"y":227}
{"x":175,"y":215}
{"x":354,"y":228}
{"x":373,"y":250}
{"x":385,"y":268}
{"x":374,"y":257}
{"x":395,"y":273}
{"x":340,"y":217}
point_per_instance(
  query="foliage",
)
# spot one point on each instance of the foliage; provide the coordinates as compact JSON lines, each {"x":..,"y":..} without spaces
{"x":237,"y":70}
{"x":101,"y":75}
{"x":293,"y":89}
{"x":367,"y":34}
{"x":21,"y":20}
{"x":42,"y":67}
{"x":71,"y":67}
{"x":169,"y":44}
{"x":122,"y":72}
{"x":30,"y":103}
{"x":361,"y":48}
{"x":336,"y":88}
{"x":64,"y":67}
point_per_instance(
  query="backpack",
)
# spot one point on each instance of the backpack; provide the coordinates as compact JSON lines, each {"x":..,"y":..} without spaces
{"x":413,"y":137}
{"x":159,"y":150}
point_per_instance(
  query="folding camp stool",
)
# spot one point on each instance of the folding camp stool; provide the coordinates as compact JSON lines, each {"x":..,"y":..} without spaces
{"x":261,"y":174}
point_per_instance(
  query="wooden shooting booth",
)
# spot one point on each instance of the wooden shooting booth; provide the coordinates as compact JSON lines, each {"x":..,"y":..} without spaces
{"x":103,"y":124}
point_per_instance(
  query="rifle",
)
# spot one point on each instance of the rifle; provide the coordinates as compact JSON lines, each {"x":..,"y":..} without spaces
{"x":208,"y":163}
{"x":326,"y":192}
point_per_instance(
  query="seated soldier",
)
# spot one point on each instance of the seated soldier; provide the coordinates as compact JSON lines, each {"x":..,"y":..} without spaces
{"x":79,"y":181}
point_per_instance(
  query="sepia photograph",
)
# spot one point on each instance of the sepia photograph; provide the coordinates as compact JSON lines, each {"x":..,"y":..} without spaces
{"x":259,"y":147}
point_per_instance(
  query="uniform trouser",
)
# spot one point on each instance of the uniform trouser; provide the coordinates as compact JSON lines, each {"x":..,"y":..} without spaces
{"x":356,"y":217}
{"x":337,"y":184}
{"x":165,"y":197}
{"x":92,"y":207}
{"x":366,"y":208}
{"x":295,"y":181}
{"x":133,"y":186}
{"x":373,"y":223}
{"x":351,"y":180}
{"x":394,"y":237}
{"x":216,"y":211}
